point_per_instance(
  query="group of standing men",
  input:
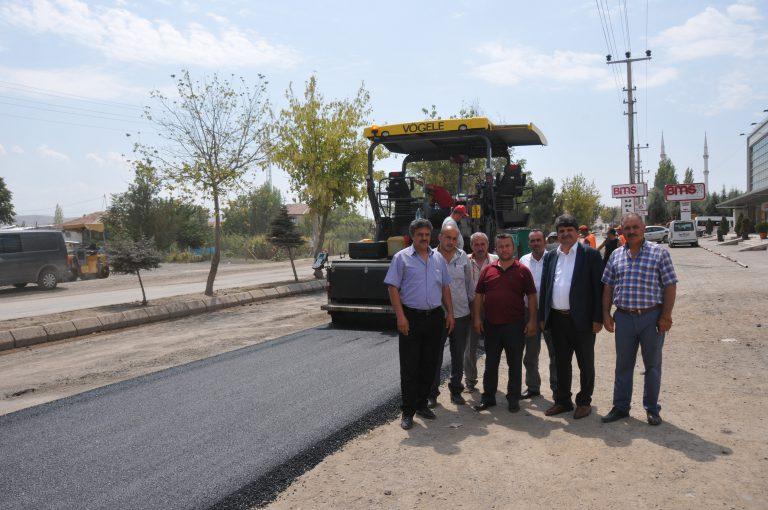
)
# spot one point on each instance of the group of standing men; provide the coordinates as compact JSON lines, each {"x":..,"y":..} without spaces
{"x":565,"y":295}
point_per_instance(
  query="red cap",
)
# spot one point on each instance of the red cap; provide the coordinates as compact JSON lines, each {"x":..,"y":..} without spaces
{"x":461,"y":210}
{"x":584,"y":228}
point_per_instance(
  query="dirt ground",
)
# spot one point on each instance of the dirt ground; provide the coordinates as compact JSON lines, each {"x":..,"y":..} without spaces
{"x":711,"y":451}
{"x":34,"y":375}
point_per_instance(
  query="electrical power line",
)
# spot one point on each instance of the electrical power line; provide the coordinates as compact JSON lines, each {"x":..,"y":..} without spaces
{"x":79,"y":114}
{"x":31,"y":211}
{"x":76,"y":108}
{"x":50,"y":92}
{"x":61,"y":122}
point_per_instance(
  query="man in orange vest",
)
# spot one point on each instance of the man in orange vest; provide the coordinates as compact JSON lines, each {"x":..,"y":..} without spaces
{"x":587,"y":237}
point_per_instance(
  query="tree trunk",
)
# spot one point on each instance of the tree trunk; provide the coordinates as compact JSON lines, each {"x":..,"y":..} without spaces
{"x":143,"y":294}
{"x":216,"y":245}
{"x":293,"y":266}
{"x":321,"y":234}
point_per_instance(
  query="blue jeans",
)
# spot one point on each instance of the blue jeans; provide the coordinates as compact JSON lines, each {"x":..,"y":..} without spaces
{"x":632,"y":331}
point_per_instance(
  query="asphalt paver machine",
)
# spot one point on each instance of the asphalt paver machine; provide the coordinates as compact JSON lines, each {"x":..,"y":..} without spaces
{"x":494,"y":202}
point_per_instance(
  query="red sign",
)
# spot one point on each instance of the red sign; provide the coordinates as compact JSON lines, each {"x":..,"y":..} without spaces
{"x":629,"y":190}
{"x":684,"y":192}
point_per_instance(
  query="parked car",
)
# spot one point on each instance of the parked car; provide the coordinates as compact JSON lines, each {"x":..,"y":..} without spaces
{"x":657,"y":233}
{"x":682,"y":232}
{"x":32,"y":256}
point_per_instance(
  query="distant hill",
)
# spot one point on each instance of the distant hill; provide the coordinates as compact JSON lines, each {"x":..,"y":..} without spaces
{"x":30,"y":220}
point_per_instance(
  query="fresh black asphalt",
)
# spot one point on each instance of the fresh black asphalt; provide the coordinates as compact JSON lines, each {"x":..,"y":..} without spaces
{"x":220,"y":431}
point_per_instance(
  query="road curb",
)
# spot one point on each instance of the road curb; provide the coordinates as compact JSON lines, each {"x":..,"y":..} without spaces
{"x":33,"y":335}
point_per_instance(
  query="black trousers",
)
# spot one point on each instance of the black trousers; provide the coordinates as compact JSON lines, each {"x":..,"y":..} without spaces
{"x":509,"y":338}
{"x":568,"y":341}
{"x":419,"y":350}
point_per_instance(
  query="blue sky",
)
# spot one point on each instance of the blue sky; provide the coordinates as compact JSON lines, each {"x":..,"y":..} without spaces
{"x":540,"y":62}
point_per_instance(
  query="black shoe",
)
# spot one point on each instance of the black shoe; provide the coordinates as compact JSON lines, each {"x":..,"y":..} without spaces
{"x":483,"y":406}
{"x":615,"y":415}
{"x":457,"y":399}
{"x":432,"y":402}
{"x":513,"y":406}
{"x":406,"y":423}
{"x":529,"y":394}
{"x":470,"y":388}
{"x":426,"y":413}
{"x":653,"y":418}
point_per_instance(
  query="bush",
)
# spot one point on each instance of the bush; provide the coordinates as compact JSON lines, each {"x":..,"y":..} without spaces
{"x":746,"y":228}
{"x":724,"y":227}
{"x":709,"y":227}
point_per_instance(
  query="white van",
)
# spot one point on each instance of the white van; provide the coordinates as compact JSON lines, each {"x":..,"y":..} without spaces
{"x":682,"y":232}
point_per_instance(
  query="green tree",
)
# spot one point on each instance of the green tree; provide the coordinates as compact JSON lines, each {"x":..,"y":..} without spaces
{"x":250,"y":214}
{"x":283,"y":234}
{"x":541,"y":204}
{"x":666,"y":174}
{"x":709,"y":227}
{"x":127,"y":256}
{"x":214,"y":133}
{"x":58,"y":216}
{"x":723,"y":228}
{"x":611,"y":215}
{"x":710,"y":205}
{"x":580,"y":198}
{"x":130,"y":213}
{"x":7,"y":214}
{"x":320,"y":145}
{"x":688,"y":179}
{"x":657,"y":208}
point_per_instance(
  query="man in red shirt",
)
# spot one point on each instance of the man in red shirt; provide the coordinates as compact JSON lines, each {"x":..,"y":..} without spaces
{"x":499,"y":294}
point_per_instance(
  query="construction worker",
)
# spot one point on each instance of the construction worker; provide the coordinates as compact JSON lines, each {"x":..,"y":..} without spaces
{"x":587,"y":237}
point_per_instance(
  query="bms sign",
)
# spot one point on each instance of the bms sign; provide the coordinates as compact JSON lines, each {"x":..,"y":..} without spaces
{"x":684,"y":192}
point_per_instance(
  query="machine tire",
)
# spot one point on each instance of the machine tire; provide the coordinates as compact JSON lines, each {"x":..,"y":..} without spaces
{"x":20,"y":285}
{"x":48,"y":279}
{"x":104,"y":272}
{"x":696,"y":244}
{"x":339,"y":318}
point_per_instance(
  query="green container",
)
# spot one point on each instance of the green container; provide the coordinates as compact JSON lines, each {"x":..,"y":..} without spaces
{"x":520,"y":235}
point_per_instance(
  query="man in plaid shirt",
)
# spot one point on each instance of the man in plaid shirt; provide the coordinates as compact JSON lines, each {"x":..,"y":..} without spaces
{"x":640,"y":281}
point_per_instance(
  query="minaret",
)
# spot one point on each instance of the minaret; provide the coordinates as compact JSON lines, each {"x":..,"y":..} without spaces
{"x":706,"y":164}
{"x":663,"y":155}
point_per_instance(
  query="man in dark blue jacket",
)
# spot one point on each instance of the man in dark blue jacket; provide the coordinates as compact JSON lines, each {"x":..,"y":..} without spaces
{"x":570,"y":308}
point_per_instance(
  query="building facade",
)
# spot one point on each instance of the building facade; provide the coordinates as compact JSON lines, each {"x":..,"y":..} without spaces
{"x":754,"y":203}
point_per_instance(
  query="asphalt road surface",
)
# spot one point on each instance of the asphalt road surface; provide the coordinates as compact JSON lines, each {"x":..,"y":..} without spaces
{"x":168,"y":280}
{"x":189,"y":436}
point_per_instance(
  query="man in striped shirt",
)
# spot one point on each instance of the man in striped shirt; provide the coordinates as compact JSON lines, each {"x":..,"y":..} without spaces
{"x":640,"y":281}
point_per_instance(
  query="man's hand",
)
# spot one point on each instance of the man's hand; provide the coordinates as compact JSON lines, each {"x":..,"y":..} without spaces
{"x":450,"y":322}
{"x":665,"y":323}
{"x":541,"y":325}
{"x":478,"y":325}
{"x":530,"y":328}
{"x":596,"y":327}
{"x":402,"y":324}
{"x":610,"y":326}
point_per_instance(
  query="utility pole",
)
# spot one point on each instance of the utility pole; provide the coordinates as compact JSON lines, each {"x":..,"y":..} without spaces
{"x":630,"y":102}
{"x":638,"y":163}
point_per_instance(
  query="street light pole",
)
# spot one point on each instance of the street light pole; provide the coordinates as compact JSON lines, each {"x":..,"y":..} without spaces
{"x":630,"y":102}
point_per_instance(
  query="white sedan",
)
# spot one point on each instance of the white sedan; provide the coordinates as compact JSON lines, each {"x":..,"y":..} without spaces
{"x":657,"y":234}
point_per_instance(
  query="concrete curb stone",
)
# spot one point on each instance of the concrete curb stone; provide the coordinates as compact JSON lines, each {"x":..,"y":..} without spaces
{"x":270,"y":292}
{"x":220,"y":302}
{"x":196,"y":306}
{"x":31,"y":335}
{"x":177,"y":309}
{"x":283,"y":290}
{"x":111,"y":321}
{"x":6,"y":340}
{"x":87,"y":325}
{"x":258,"y":295}
{"x":157,"y":313}
{"x":60,"y":330}
{"x":243,"y":298}
{"x":135,"y":317}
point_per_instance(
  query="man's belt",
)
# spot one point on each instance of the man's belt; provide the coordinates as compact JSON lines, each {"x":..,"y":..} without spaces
{"x":638,"y":311}
{"x":561,"y":312}
{"x":422,"y":313}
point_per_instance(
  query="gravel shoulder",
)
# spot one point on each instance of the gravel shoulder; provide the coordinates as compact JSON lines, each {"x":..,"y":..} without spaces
{"x":710,"y":452}
{"x":51,"y":371}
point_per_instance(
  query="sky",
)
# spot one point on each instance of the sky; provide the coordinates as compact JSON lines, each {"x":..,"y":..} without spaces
{"x":75,"y":75}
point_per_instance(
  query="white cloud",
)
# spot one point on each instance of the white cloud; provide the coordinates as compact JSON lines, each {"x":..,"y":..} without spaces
{"x":713,"y":33}
{"x":125,"y":36}
{"x":734,"y":91}
{"x":17,"y":150}
{"x":2,"y":150}
{"x":81,"y":81}
{"x":46,"y":152}
{"x":513,"y":65}
{"x":108,"y":159}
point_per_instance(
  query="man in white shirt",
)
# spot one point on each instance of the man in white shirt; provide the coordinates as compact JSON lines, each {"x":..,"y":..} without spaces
{"x":478,"y":260}
{"x":571,"y":308}
{"x":535,"y":262}
{"x":462,"y":293}
{"x":453,"y":219}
